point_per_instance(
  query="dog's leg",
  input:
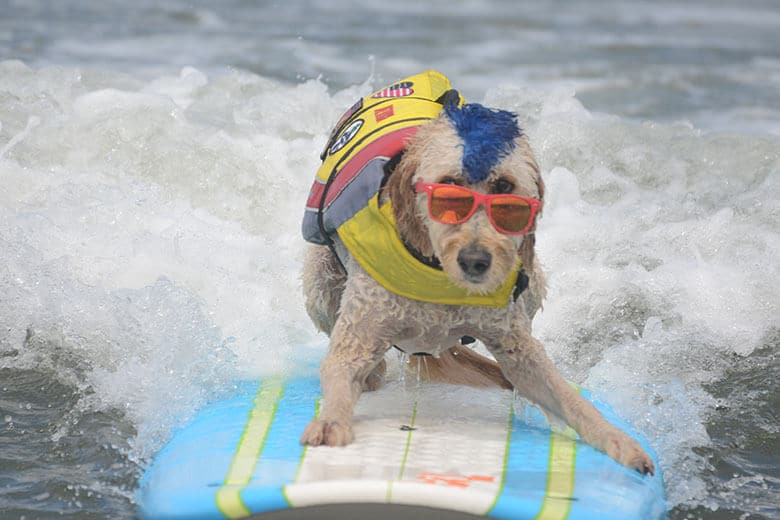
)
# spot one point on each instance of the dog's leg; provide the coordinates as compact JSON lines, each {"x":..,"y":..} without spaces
{"x":461,"y":366}
{"x":352,"y":357}
{"x":525,"y":363}
{"x":323,"y":284}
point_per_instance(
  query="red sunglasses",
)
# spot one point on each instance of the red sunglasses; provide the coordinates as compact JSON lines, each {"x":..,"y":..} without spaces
{"x":453,"y":204}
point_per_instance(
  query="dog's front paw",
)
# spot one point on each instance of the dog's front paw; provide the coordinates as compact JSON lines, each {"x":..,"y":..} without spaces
{"x":330,"y":433}
{"x":628,"y":452}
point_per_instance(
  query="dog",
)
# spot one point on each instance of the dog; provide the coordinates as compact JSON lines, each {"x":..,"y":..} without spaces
{"x":460,"y":189}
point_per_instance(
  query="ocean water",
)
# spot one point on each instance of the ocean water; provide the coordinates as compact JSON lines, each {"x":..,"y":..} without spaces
{"x":154,"y":162}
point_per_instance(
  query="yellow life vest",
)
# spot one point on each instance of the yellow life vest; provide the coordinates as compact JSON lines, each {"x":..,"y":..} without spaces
{"x":343,"y":203}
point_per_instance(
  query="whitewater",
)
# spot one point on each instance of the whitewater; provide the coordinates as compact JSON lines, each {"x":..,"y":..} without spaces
{"x":153,"y":186}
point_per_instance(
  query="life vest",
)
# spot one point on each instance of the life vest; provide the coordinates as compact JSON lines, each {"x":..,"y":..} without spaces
{"x":343,"y":203}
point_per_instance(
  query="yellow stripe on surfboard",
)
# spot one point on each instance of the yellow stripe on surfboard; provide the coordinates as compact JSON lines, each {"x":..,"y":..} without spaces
{"x":249,"y":447}
{"x":560,"y":477}
{"x":561,"y":469}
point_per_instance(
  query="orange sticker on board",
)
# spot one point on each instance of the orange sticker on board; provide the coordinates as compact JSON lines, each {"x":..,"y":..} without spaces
{"x":453,"y":480}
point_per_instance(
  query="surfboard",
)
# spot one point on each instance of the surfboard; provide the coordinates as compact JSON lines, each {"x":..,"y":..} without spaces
{"x":429,"y":451}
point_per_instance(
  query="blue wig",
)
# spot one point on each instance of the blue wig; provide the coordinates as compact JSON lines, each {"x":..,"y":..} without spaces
{"x":488,"y":136}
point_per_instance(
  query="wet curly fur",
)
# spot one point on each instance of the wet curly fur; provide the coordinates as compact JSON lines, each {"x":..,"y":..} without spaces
{"x":364,"y":320}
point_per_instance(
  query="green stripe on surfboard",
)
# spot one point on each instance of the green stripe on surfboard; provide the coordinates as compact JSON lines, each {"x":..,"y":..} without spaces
{"x":249,"y":448}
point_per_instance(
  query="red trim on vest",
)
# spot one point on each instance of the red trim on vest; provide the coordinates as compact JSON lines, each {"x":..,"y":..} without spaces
{"x":385,"y":146}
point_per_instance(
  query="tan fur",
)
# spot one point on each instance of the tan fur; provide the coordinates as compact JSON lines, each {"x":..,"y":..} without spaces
{"x":364,"y":320}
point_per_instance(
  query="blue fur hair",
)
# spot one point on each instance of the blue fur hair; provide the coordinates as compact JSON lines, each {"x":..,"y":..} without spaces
{"x":488,"y":136}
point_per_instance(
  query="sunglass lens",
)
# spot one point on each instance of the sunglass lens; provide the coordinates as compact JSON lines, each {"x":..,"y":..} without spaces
{"x":450,"y":204}
{"x":510,"y":214}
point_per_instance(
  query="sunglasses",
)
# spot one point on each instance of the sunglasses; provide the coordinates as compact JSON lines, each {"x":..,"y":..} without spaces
{"x":453,"y":204}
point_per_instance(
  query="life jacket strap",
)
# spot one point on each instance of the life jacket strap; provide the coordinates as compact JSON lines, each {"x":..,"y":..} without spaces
{"x":521,"y":284}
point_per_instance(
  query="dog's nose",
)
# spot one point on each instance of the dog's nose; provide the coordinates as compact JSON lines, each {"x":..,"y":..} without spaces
{"x":474,"y":260}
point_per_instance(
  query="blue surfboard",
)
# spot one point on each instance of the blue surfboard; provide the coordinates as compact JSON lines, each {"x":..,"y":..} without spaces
{"x":415,"y":455}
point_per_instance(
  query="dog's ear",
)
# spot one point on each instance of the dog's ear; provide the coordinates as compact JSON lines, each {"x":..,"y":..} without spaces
{"x":540,"y":188}
{"x":400,"y":191}
{"x":526,"y":250}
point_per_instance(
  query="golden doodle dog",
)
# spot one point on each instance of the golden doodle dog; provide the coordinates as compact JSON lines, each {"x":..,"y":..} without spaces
{"x":423,"y":223}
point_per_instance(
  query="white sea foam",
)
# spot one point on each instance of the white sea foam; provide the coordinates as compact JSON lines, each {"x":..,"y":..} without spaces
{"x":150,"y":231}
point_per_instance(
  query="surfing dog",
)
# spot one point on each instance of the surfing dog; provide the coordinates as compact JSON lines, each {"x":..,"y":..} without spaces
{"x":465,"y":195}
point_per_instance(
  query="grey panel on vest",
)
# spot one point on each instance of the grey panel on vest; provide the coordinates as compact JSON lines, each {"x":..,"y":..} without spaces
{"x":352,"y":198}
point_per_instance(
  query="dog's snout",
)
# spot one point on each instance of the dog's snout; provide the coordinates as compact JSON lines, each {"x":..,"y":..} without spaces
{"x":474,"y":260}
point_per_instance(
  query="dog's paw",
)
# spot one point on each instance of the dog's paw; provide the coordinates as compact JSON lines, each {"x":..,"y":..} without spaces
{"x":329,"y":433}
{"x":628,"y":452}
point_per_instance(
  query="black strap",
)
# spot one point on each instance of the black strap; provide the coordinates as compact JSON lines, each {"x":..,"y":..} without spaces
{"x":399,"y":349}
{"x":521,"y":284}
{"x":390,"y":165}
{"x":430,"y":261}
{"x":451,"y":97}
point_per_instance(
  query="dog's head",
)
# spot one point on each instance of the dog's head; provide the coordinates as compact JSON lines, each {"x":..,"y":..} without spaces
{"x":483,"y":150}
